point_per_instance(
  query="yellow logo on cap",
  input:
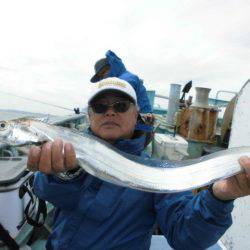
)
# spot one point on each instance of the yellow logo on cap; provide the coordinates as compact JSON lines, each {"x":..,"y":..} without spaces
{"x":116,"y":83}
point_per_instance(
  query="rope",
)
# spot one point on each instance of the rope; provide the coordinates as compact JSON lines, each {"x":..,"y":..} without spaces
{"x":46,"y":103}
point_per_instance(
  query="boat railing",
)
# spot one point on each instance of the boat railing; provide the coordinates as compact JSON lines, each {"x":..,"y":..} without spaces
{"x":220,"y":102}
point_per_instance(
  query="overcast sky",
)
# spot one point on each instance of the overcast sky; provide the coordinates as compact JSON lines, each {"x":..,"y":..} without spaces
{"x":48,"y":48}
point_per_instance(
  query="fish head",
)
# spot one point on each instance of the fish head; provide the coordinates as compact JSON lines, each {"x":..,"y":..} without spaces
{"x":5,"y":133}
{"x":20,"y":132}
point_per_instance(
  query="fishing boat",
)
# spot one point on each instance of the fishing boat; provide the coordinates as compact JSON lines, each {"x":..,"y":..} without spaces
{"x":184,"y":129}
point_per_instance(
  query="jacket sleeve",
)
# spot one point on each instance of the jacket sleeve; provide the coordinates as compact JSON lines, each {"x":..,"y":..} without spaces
{"x":62,"y":194}
{"x":141,"y":92}
{"x":192,"y":222}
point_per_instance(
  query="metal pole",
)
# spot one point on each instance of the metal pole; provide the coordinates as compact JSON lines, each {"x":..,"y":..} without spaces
{"x":173,"y":104}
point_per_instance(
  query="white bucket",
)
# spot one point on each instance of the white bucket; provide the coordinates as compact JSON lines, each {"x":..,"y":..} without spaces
{"x":170,"y":147}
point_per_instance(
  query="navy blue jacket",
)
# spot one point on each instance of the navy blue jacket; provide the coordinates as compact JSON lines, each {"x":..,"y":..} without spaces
{"x":117,"y":69}
{"x":93,"y":214}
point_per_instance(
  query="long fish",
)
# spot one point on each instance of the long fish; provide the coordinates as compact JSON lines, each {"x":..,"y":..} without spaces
{"x":102,"y":160}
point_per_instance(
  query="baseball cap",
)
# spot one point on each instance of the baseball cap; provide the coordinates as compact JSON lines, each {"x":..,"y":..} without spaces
{"x":99,"y":65}
{"x":112,"y":84}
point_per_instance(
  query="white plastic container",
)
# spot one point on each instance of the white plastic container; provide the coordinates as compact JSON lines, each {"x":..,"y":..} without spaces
{"x":168,"y":147}
{"x":13,"y":175}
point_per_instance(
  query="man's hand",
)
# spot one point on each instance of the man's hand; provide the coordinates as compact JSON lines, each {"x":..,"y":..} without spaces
{"x":235,"y":186}
{"x":50,"y":158}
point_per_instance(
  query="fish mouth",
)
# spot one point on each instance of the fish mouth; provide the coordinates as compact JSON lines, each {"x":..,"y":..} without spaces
{"x":3,"y":144}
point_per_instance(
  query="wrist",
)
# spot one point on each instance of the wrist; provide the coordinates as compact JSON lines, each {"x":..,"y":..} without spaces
{"x":70,"y":174}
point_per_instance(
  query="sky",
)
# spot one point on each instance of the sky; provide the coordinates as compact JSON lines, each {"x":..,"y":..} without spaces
{"x":48,"y":48}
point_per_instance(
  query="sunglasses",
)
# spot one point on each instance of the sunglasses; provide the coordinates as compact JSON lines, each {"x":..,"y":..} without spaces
{"x":119,"y":106}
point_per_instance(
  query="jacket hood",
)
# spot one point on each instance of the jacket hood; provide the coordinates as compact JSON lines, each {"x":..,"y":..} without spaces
{"x":116,"y":65}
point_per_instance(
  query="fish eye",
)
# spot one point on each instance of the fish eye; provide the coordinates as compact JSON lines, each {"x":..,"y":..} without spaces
{"x":3,"y":125}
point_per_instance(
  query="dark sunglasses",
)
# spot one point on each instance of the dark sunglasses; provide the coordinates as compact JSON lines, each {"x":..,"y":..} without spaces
{"x":119,"y":106}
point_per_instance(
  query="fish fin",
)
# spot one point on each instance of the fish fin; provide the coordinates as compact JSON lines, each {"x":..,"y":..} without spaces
{"x":44,"y":119}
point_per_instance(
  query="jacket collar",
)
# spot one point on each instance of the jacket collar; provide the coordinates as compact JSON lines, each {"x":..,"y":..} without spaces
{"x":133,"y":146}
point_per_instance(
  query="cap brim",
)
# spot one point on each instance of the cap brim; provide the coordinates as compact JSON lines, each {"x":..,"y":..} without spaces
{"x":111,"y":90}
{"x":95,"y":78}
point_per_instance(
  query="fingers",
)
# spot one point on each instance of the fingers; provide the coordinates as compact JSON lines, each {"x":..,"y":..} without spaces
{"x":57,"y":156}
{"x":50,"y":158}
{"x":245,"y":163}
{"x":45,"y":159}
{"x":242,"y":182}
{"x":235,"y":186}
{"x":244,"y":178}
{"x":69,"y":156}
{"x":34,"y":158}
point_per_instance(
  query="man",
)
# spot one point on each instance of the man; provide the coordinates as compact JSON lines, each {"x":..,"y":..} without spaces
{"x":94,"y":214}
{"x":112,"y":66}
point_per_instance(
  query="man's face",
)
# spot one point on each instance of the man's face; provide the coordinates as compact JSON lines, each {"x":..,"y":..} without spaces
{"x":112,"y":125}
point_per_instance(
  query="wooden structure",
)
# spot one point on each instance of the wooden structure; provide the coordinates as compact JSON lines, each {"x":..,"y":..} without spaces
{"x":198,"y":123}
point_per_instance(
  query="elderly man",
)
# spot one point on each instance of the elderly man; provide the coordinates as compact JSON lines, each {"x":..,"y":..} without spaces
{"x":113,"y":66}
{"x":94,"y":214}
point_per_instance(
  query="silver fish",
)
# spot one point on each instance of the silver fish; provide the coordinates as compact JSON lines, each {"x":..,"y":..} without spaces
{"x":102,"y":160}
